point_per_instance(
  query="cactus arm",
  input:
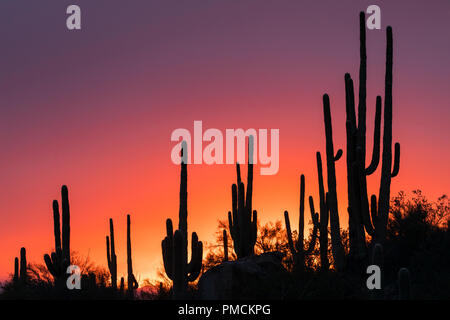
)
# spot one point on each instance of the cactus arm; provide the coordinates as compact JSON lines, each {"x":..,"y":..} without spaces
{"x":50,"y":266}
{"x":396,"y":168}
{"x":56,"y":225}
{"x":108,"y":256}
{"x":289,"y":233}
{"x":238,"y":173}
{"x":315,"y":220}
{"x":301,"y":220}
{"x":376,"y":140}
{"x":16,"y":270}
{"x":248,"y":199}
{"x":362,"y":87}
{"x":338,"y":155}
{"x":167,"y":249}
{"x":254,"y":231}
{"x":195,"y":265}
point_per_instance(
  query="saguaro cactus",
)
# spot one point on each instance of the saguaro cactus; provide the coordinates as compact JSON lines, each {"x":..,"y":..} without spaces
{"x":225,"y":245}
{"x":111,"y":255}
{"x":297,"y":249}
{"x":242,"y":221}
{"x":324,"y":217}
{"x":336,"y":243}
{"x":20,"y":275}
{"x":174,"y":246}
{"x":360,"y":217}
{"x":132,"y":284}
{"x":59,"y":260}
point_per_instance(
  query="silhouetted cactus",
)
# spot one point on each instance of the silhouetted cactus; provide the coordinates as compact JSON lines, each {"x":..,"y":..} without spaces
{"x":242,"y":221}
{"x":111,"y":255}
{"x":297,"y":249}
{"x":225,"y":245}
{"x":132,"y":284}
{"x":16,"y":271}
{"x":336,"y":242}
{"x":59,"y":260}
{"x":174,"y":246}
{"x":324,"y":217}
{"x":20,"y":274}
{"x":360,"y":217}
{"x":404,"y":284}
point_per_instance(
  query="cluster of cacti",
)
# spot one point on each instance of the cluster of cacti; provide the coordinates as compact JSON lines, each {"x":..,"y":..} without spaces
{"x":59,"y":260}
{"x":361,"y":216}
{"x":175,"y":245}
{"x":297,"y":248}
{"x":111,"y":255}
{"x":242,"y":221}
{"x":20,"y":273}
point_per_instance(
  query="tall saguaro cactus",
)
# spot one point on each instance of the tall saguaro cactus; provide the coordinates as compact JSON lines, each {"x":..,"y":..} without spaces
{"x":132,"y":284}
{"x":175,"y":245}
{"x":336,"y":243}
{"x":361,"y":217}
{"x":111,"y":255}
{"x":242,"y":221}
{"x":59,"y":260}
{"x":324,"y":217}
{"x":297,"y":249}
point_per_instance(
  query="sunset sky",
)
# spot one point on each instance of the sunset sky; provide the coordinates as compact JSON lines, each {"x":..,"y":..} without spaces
{"x":94,"y":109}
